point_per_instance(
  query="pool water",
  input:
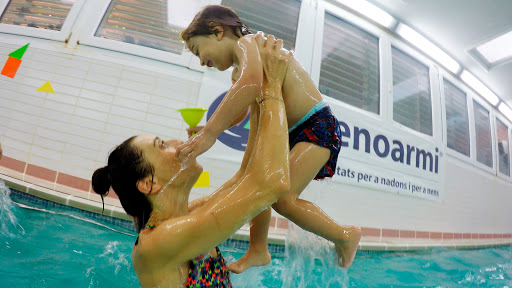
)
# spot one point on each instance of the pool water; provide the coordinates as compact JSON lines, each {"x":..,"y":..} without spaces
{"x":63,"y":248}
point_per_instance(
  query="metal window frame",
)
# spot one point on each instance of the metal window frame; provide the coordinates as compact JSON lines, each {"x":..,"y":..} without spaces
{"x":62,"y":35}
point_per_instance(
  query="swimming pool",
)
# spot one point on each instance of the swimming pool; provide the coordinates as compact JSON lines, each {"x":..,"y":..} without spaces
{"x":63,"y":247}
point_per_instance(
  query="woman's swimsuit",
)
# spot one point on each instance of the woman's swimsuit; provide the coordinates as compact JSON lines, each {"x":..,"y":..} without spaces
{"x":205,"y":270}
{"x":319,"y":126}
{"x":208,"y":272}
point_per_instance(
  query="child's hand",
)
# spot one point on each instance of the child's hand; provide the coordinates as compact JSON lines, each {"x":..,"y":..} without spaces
{"x":193,"y":130}
{"x":195,"y":146}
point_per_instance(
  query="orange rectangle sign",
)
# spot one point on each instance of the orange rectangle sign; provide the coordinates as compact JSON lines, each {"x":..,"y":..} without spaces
{"x":11,"y":67}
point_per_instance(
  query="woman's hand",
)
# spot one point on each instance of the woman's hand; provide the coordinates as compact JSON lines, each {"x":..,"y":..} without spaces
{"x":274,"y":58}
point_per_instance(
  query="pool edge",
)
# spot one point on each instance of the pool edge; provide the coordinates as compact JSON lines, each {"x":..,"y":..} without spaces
{"x":277,"y":236}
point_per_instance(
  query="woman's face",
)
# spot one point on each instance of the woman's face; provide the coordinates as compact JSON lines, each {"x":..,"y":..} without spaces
{"x":161,"y":154}
{"x":212,"y":50}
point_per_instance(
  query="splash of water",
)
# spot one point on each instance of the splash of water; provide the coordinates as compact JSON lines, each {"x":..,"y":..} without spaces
{"x":311,"y":262}
{"x":115,"y":256}
{"x":10,"y":228}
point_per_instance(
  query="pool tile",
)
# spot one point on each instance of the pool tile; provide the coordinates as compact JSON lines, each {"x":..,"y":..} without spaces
{"x":390,"y":233}
{"x":447,"y":235}
{"x":273,"y":222}
{"x":13,"y":164}
{"x":40,"y":172}
{"x":49,"y":195}
{"x":370,"y":232}
{"x":73,"y":181}
{"x":112,"y":194}
{"x":407,"y":234}
{"x":436,"y":235}
{"x":422,"y":234}
{"x":282,"y":223}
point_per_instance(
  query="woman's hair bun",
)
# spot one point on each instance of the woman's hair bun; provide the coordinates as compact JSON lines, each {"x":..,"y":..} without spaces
{"x":101,"y":181}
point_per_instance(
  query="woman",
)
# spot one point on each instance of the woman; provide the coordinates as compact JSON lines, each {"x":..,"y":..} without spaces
{"x":154,"y":188}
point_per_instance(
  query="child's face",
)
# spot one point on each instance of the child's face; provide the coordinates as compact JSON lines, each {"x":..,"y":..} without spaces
{"x":213,"y":51}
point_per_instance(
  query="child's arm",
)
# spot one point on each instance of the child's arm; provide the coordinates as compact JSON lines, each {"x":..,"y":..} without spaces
{"x":247,"y":155}
{"x":192,"y":130}
{"x":235,"y":102}
{"x":193,"y":205}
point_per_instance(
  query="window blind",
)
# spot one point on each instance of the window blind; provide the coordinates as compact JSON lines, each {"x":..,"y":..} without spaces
{"x":145,"y":23}
{"x":457,"y":120}
{"x":483,"y":134}
{"x":277,"y":17}
{"x":503,"y":147}
{"x":44,"y":14}
{"x":412,"y":105}
{"x":349,"y":70}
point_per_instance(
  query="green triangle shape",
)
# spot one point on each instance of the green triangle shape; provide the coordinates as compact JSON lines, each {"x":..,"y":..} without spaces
{"x":248,"y":124}
{"x":19,"y":53}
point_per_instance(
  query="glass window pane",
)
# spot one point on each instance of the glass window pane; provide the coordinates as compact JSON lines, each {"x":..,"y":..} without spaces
{"x":503,"y":153}
{"x":457,"y":123}
{"x":412,"y":105}
{"x":151,"y":23}
{"x":350,"y":65}
{"x":483,"y":135}
{"x":44,"y":14}
{"x":277,"y":17}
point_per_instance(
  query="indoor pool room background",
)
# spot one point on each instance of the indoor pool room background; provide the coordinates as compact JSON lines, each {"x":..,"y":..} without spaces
{"x":420,"y":89}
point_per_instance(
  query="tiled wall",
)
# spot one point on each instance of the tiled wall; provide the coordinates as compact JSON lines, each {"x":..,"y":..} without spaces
{"x":96,"y":106}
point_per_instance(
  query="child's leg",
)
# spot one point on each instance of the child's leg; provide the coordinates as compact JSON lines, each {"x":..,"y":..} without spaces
{"x":258,"y":254}
{"x":306,"y":159}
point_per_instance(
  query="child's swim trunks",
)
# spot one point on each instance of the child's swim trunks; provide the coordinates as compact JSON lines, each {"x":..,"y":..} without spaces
{"x":319,"y":126}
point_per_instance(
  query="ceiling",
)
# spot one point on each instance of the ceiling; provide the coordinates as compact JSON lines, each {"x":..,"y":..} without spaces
{"x":458,"y":26}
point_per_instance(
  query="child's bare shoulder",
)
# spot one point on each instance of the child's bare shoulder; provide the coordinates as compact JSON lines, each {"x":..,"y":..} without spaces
{"x":247,"y":39}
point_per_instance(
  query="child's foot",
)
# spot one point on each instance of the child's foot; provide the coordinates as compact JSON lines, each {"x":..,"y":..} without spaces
{"x":346,"y":250}
{"x":250,"y":259}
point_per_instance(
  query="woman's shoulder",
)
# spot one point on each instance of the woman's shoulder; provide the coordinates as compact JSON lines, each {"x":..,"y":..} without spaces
{"x":148,"y":242}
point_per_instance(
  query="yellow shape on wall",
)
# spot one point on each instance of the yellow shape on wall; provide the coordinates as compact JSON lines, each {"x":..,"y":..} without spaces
{"x":47,"y":87}
{"x":204,"y":180}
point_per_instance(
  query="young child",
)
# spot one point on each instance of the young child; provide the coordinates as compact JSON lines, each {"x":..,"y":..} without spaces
{"x":219,"y":38}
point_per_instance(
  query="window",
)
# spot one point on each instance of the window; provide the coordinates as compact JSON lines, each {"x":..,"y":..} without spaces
{"x":483,"y":134}
{"x":503,"y":148}
{"x":44,"y":14}
{"x":350,"y":65}
{"x":457,"y":123}
{"x":412,"y":105}
{"x":154,"y":24}
{"x":276,"y":17}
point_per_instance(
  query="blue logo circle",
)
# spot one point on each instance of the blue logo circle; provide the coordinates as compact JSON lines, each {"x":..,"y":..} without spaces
{"x":235,"y":137}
